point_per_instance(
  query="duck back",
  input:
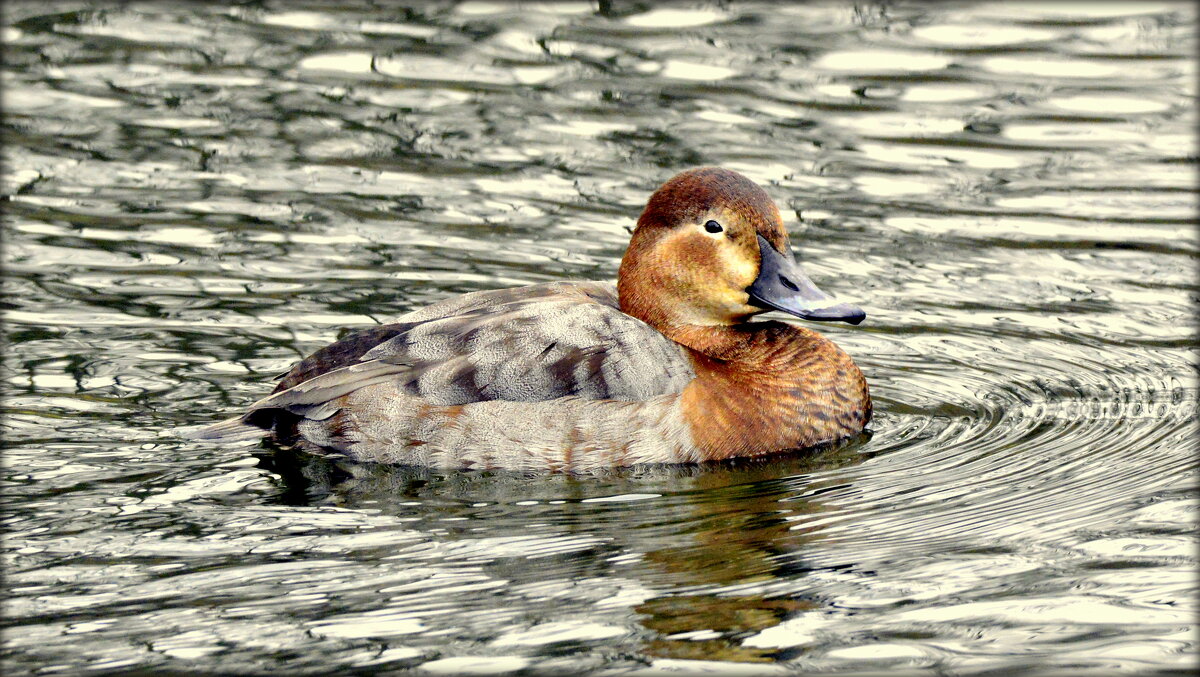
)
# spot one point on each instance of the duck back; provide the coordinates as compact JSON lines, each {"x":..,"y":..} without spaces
{"x":536,"y":343}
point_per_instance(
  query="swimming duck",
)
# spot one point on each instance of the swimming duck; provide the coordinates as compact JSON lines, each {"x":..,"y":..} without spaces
{"x":665,"y":366}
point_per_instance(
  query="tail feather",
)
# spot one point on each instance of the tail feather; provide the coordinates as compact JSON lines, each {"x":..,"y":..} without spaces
{"x":230,"y":430}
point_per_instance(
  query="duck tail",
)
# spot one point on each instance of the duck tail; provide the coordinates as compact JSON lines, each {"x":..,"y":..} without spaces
{"x":230,"y":430}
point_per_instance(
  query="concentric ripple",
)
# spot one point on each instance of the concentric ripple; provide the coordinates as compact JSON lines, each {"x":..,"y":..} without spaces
{"x":1047,"y":453}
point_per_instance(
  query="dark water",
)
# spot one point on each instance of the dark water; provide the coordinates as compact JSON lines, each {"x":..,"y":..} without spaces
{"x":201,"y":194}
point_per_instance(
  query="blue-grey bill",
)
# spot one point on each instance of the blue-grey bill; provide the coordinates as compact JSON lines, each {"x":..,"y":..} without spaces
{"x":783,"y":285}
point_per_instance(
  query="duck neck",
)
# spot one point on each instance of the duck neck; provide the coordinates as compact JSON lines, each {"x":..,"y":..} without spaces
{"x":753,"y":346}
{"x":762,"y":387}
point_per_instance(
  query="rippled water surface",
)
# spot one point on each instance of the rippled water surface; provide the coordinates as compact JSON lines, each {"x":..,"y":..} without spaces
{"x":200,"y":194}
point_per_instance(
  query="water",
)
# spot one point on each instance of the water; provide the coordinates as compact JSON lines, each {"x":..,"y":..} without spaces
{"x":202,"y":194}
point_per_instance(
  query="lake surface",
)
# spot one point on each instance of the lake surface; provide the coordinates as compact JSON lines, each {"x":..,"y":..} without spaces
{"x":200,"y":194}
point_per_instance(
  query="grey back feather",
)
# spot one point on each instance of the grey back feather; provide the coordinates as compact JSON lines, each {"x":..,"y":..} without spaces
{"x":525,"y":344}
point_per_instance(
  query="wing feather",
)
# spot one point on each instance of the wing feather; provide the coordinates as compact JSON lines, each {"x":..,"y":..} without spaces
{"x":525,"y":344}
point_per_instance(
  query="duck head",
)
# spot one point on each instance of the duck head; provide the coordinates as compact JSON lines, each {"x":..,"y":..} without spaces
{"x":710,"y":249}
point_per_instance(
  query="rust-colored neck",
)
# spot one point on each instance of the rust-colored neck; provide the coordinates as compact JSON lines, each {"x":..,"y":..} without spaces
{"x":763,"y":387}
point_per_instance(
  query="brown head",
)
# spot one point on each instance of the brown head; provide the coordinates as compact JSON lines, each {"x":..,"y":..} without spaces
{"x":710,"y":250}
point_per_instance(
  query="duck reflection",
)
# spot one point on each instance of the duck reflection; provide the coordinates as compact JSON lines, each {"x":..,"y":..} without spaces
{"x":694,"y":527}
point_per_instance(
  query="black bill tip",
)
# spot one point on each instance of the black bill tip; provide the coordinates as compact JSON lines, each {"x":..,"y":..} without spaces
{"x":842,"y":312}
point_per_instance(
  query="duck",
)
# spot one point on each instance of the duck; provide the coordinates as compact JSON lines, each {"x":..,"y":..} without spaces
{"x":669,"y":365}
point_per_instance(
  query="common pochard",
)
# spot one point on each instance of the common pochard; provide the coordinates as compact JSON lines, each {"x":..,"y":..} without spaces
{"x":665,"y":366}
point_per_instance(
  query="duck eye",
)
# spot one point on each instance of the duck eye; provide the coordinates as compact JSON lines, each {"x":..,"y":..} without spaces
{"x":713,"y":227}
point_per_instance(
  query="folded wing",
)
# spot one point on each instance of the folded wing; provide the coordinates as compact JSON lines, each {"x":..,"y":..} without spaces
{"x":525,"y":344}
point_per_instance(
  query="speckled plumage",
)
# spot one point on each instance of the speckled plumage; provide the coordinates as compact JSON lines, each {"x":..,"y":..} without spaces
{"x":574,"y":376}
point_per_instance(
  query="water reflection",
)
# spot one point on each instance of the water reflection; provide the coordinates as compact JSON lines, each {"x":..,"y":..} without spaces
{"x":719,"y":525}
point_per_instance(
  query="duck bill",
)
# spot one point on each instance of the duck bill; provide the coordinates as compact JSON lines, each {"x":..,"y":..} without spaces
{"x":783,"y":285}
